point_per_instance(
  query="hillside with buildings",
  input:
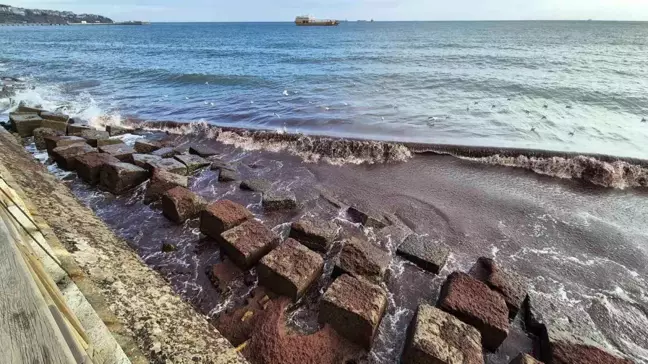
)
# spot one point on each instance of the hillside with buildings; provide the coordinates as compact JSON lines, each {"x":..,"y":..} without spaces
{"x":14,"y":15}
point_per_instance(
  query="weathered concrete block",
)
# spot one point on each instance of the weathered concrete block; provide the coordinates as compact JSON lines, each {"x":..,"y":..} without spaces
{"x":367,"y":217}
{"x":53,"y":141}
{"x":570,"y":353}
{"x":290,"y":269}
{"x":202,"y":150}
{"x":41,"y":133}
{"x":435,"y":336}
{"x":167,"y":164}
{"x":221,"y":216}
{"x":228,"y":175}
{"x":145,"y":146}
{"x":166,"y":152}
{"x":118,"y":178}
{"x":426,"y":254}
{"x":54,"y":116}
{"x":162,"y":181}
{"x":88,"y":166}
{"x":29,"y":109}
{"x":122,"y":151}
{"x":477,"y":305}
{"x":354,"y":308}
{"x":279,"y":200}
{"x":24,"y":124}
{"x":361,"y":258}
{"x":179,"y":204}
{"x":314,"y":233}
{"x":65,"y":157}
{"x":56,"y":125}
{"x":142,"y":160}
{"x":115,"y":130}
{"x":102,"y":142}
{"x":256,"y":185}
{"x":76,"y":130}
{"x":192,"y":162}
{"x":219,"y":164}
{"x":247,"y":243}
{"x":393,"y":235}
{"x":525,"y":359}
{"x":510,"y":285}
{"x":92,"y":136}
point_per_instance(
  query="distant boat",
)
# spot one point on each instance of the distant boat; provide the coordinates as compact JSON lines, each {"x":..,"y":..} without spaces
{"x":307,"y":20}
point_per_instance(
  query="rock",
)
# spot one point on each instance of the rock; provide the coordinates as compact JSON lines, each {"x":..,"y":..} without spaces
{"x":435,"y":336}
{"x":366,"y":218}
{"x":569,"y":353}
{"x":65,"y":157}
{"x":142,"y":160}
{"x":219,"y":164}
{"x":162,"y":181}
{"x":166,"y":152}
{"x":54,"y":116}
{"x":29,"y":109}
{"x":224,"y":273}
{"x":41,"y":133}
{"x":122,"y":151}
{"x":316,"y":234}
{"x":228,"y":175}
{"x":76,"y":130}
{"x":256,"y":185}
{"x":279,"y":200}
{"x":167,"y":164}
{"x":202,"y":150}
{"x":56,"y":125}
{"x":145,"y":146}
{"x":393,"y":235}
{"x":354,"y":308}
{"x":181,"y":149}
{"x":192,"y":162}
{"x":92,"y":136}
{"x":179,"y":204}
{"x":361,"y":258}
{"x":525,"y":359}
{"x":290,"y":269}
{"x":53,"y":141}
{"x":510,"y":285}
{"x":115,"y":130}
{"x":24,"y":124}
{"x":88,"y":166}
{"x":425,"y":253}
{"x":221,"y":216}
{"x":102,"y":142}
{"x":475,"y":304}
{"x":168,"y":248}
{"x":247,"y":243}
{"x":118,"y":178}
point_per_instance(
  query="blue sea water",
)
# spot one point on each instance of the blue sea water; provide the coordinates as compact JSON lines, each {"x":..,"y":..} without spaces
{"x":572,"y":86}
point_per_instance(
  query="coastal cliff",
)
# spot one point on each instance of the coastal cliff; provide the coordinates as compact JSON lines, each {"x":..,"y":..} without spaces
{"x":14,"y":15}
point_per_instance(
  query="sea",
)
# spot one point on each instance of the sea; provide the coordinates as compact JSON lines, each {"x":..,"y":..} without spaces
{"x":541,"y":92}
{"x":568,"y":86}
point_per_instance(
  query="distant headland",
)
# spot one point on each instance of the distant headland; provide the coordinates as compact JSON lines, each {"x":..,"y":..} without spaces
{"x":10,"y":15}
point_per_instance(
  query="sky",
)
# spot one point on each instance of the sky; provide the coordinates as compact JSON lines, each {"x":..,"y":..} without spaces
{"x":286,"y":10}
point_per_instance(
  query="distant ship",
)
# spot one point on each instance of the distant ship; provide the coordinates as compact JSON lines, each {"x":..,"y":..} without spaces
{"x":307,"y":20}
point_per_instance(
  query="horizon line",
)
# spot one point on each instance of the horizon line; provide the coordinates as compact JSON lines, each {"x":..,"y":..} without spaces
{"x":407,"y":21}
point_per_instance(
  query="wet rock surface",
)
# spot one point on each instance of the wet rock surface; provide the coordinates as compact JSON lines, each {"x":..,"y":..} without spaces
{"x":115,"y":130}
{"x":228,"y":175}
{"x":55,"y":116}
{"x":146,"y":146}
{"x":256,"y":185}
{"x":24,"y":124}
{"x":435,"y":336}
{"x":65,"y":157}
{"x":354,"y":308}
{"x":475,"y":304}
{"x":54,"y":141}
{"x":162,"y":181}
{"x":569,"y":353}
{"x":179,"y":204}
{"x":192,"y":162}
{"x":93,"y":136}
{"x":424,"y":252}
{"x":166,"y":164}
{"x":361,"y":258}
{"x":290,"y":269}
{"x":202,"y":150}
{"x":76,"y":130}
{"x":247,"y":243}
{"x":56,"y":125}
{"x":41,"y":133}
{"x":142,"y":160}
{"x":279,"y":200}
{"x":316,"y":234}
{"x":221,"y":216}
{"x":525,"y":359}
{"x":118,"y":178}
{"x":165,"y":152}
{"x":88,"y":166}
{"x":122,"y":152}
{"x":512,"y":286}
{"x":366,"y":217}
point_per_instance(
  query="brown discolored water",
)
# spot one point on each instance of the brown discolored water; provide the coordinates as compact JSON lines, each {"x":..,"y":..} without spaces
{"x":583,"y":247}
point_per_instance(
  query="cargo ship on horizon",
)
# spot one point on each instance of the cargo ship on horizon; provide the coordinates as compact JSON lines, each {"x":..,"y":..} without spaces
{"x":307,"y":20}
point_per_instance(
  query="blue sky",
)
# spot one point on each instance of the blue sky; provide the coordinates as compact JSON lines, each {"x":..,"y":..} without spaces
{"x":286,"y":10}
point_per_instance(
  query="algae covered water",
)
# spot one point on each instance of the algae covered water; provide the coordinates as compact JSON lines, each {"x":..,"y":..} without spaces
{"x":574,"y":86}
